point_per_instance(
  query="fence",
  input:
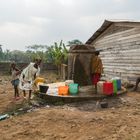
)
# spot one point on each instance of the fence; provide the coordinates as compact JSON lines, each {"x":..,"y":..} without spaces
{"x":5,"y":66}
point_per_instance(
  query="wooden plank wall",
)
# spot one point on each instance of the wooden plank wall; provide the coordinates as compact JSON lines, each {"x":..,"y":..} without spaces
{"x":120,"y":53}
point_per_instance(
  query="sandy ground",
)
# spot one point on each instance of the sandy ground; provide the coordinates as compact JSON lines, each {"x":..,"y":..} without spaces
{"x":75,"y":121}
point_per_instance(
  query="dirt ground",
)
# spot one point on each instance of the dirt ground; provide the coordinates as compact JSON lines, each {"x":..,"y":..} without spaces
{"x":75,"y":121}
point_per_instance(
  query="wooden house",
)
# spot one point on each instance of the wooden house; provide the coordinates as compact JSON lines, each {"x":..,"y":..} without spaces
{"x":119,"y":43}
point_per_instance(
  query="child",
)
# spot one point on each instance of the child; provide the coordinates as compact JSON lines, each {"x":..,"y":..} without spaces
{"x":28,"y":76}
{"x":96,"y":69}
{"x":15,"y":79}
{"x":137,"y":83}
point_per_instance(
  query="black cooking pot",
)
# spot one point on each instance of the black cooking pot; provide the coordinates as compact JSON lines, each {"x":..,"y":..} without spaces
{"x":104,"y":104}
{"x":43,"y":88}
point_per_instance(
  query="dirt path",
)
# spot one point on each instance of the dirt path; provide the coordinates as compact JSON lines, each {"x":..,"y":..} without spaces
{"x":76,"y":121}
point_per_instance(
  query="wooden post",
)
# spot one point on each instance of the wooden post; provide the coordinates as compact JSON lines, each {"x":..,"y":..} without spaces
{"x":61,"y":73}
{"x":64,"y":71}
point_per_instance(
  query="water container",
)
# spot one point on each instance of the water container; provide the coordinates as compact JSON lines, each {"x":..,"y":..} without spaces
{"x":73,"y":88}
{"x":63,"y":90}
{"x":119,"y":84}
{"x":67,"y":82}
{"x":115,"y":86}
{"x":39,"y":80}
{"x":100,"y":87}
{"x":43,"y":88}
{"x":108,"y":88}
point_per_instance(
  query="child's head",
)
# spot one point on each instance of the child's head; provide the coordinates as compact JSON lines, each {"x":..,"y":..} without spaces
{"x":97,"y":53}
{"x":13,"y":65}
{"x":38,"y":61}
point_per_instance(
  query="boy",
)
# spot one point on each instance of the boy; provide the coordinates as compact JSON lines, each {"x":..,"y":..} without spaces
{"x":28,"y":76}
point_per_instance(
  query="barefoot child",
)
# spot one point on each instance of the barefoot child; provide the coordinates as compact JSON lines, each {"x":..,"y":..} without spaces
{"x":96,"y":69}
{"x":15,"y":79}
{"x":28,"y":76}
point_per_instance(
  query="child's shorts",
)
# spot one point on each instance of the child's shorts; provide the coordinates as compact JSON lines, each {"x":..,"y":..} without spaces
{"x":15,"y":82}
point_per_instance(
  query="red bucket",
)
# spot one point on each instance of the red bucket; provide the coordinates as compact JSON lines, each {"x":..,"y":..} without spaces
{"x":108,"y":88}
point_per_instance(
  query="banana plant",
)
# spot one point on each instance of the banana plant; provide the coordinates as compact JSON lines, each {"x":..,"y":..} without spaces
{"x":58,"y":54}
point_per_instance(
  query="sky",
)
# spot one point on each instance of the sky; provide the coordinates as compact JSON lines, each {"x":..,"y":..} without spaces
{"x":29,"y":22}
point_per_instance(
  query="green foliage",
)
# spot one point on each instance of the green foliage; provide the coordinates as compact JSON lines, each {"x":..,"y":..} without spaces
{"x":6,"y":55}
{"x":1,"y":53}
{"x":37,"y":51}
{"x":36,"y":48}
{"x":57,"y":53}
{"x":74,"y":42}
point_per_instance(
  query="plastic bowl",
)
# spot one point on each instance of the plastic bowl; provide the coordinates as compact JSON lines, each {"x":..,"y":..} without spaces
{"x":43,"y":88}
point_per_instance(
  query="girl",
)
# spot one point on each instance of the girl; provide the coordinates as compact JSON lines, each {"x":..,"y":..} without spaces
{"x":96,"y":69}
{"x":15,"y":79}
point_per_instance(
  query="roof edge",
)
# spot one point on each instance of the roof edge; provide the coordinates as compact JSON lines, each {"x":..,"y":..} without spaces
{"x":104,"y":26}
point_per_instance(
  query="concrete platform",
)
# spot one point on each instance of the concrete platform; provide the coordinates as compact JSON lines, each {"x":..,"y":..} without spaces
{"x":81,"y":96}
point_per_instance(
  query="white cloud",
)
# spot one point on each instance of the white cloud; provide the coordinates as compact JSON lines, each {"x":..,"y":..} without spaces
{"x":120,"y":1}
{"x":66,"y":2}
{"x":30,"y":22}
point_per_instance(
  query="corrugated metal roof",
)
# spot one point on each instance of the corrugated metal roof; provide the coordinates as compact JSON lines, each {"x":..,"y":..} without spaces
{"x":104,"y":26}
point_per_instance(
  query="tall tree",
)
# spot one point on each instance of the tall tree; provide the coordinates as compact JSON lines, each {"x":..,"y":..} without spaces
{"x":37,"y":51}
{"x":1,"y":53}
{"x":74,"y":42}
{"x":36,"y":47}
{"x":7,"y":55}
